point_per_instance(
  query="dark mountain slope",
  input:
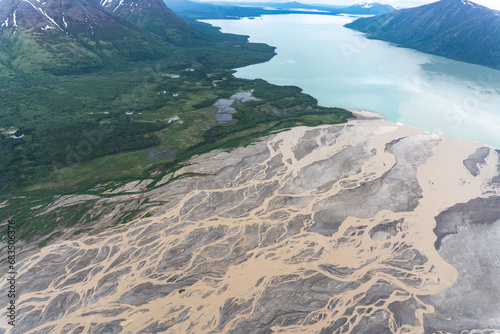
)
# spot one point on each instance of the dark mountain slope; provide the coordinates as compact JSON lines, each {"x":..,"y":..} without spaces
{"x":205,"y":44}
{"x":55,"y":35}
{"x":154,"y":16}
{"x":456,"y":29}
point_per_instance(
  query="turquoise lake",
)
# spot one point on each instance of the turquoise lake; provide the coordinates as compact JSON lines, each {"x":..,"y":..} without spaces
{"x":341,"y":68}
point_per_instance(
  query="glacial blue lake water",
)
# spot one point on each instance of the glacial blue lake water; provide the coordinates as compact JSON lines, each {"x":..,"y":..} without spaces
{"x":342,"y":68}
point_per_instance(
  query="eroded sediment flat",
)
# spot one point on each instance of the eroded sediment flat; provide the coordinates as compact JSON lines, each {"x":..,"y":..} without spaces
{"x":312,"y":230}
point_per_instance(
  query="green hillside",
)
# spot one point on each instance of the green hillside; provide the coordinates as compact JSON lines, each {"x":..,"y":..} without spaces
{"x":88,"y":111}
{"x":455,"y":29}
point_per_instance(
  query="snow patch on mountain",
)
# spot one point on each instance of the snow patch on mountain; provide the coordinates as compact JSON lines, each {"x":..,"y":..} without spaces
{"x":42,"y":11}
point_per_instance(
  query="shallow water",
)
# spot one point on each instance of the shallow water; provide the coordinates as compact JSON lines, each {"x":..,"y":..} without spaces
{"x":341,"y":68}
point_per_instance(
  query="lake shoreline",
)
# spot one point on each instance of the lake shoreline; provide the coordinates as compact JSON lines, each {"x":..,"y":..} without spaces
{"x":366,"y":114}
{"x":341,"y":68}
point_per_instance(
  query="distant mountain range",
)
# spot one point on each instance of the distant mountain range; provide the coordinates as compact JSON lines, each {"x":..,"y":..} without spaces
{"x":455,"y":29}
{"x":368,"y":8}
{"x":193,"y":10}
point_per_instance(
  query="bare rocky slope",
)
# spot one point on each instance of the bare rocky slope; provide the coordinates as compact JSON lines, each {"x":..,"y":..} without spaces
{"x":365,"y":227}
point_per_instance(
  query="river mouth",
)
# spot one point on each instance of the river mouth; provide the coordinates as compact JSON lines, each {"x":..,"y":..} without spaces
{"x":341,"y":68}
{"x":318,"y":229}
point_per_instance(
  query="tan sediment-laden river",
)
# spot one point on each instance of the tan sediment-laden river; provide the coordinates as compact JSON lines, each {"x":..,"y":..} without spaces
{"x":330,"y":229}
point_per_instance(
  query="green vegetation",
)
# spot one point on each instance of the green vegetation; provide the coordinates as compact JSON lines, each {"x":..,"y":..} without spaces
{"x":68,"y":122}
{"x":77,"y":232}
{"x":85,"y":133}
{"x":466,"y":33}
{"x":280,"y":107}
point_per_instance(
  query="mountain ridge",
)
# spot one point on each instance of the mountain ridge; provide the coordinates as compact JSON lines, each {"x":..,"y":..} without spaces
{"x":457,"y":29}
{"x":55,"y":35}
{"x":154,"y":16}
